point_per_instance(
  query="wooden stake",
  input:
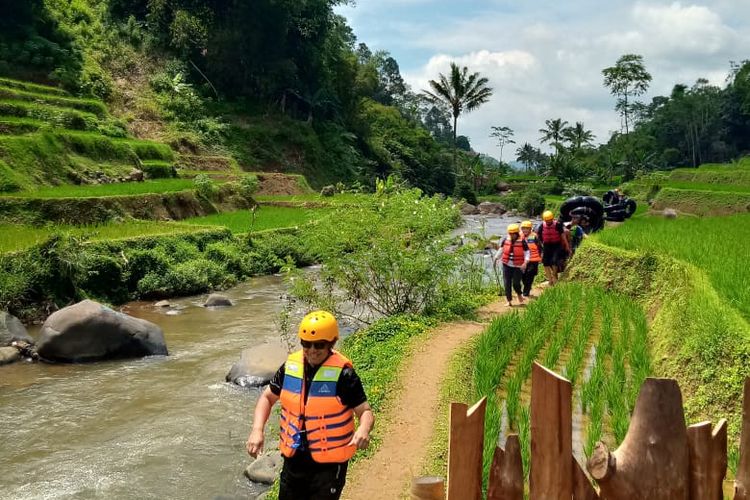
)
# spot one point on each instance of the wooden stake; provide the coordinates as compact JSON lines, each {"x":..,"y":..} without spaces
{"x":428,"y":488}
{"x":708,"y":460}
{"x":551,"y":475}
{"x":742,"y":481}
{"x":582,"y":487}
{"x":506,"y":474}
{"x":653,"y":461}
{"x":465,"y":451}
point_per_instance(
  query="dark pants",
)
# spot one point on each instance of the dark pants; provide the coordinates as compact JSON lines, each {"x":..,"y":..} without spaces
{"x":307,"y":480}
{"x":532,"y":268}
{"x":511,"y":275}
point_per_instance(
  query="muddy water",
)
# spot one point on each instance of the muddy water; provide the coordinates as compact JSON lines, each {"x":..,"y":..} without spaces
{"x":161,"y":427}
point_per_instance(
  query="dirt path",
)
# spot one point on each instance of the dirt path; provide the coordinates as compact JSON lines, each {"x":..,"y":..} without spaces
{"x":386,"y":475}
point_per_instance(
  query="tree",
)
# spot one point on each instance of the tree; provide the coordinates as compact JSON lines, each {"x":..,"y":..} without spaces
{"x":625,"y":80}
{"x":526,"y":154}
{"x":578,"y":137}
{"x":554,"y":132}
{"x":504,"y":135}
{"x":461,"y":91}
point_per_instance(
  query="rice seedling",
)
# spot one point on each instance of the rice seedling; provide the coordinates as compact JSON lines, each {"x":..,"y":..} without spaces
{"x":524,"y":436}
{"x":115,"y":189}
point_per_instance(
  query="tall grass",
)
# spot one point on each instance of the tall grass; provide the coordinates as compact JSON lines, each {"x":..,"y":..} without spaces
{"x":19,"y":237}
{"x":715,"y":244}
{"x":115,"y":189}
{"x":266,"y":217}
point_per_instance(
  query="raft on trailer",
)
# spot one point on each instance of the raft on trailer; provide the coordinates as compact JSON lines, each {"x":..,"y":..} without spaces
{"x":617,"y":208}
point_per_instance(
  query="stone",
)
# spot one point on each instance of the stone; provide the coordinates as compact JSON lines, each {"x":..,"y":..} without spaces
{"x":9,"y":355}
{"x":501,"y":187}
{"x":257,"y":365}
{"x":89,"y":331}
{"x":12,"y":329}
{"x":670,"y":213}
{"x":265,"y":469}
{"x":217,"y":300}
{"x":488,"y":207}
{"x":163,"y":303}
{"x":328,"y":191}
{"x":469,"y":209}
{"x":136,"y":175}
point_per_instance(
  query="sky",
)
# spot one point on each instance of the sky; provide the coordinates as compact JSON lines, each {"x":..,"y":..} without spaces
{"x":544,"y":58}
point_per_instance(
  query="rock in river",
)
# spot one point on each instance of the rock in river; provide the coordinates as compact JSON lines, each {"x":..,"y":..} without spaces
{"x":12,"y":329}
{"x":217,"y":300}
{"x":9,"y":355}
{"x":257,"y":365}
{"x":265,"y":469}
{"x":89,"y":331}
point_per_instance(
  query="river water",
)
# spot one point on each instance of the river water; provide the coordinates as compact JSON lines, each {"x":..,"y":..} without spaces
{"x":159,"y":427}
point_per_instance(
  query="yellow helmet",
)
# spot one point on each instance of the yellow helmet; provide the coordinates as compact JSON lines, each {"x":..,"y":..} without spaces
{"x":548,"y":215}
{"x":319,"y":325}
{"x":513,"y":228}
{"x":526,"y":224}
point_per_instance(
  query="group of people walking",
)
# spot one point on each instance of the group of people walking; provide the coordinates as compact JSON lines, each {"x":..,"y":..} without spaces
{"x":524,"y":248}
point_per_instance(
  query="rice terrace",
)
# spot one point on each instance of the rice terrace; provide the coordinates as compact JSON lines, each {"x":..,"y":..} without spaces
{"x":480,"y":253}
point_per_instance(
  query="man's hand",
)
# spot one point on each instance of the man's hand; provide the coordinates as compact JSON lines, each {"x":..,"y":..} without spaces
{"x":523,"y":267}
{"x":361,"y":439}
{"x":255,"y":443}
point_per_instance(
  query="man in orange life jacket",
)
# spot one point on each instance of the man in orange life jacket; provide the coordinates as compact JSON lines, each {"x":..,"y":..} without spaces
{"x":320,"y":394}
{"x":552,"y":234}
{"x":535,"y":257}
{"x":514,"y":254}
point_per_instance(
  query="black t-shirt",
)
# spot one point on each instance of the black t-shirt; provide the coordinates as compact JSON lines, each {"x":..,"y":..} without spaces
{"x":348,"y":389}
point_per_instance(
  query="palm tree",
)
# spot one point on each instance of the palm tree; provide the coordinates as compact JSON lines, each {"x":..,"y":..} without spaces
{"x":578,"y":136}
{"x":527,"y":155}
{"x":554,"y":131}
{"x":460,"y":91}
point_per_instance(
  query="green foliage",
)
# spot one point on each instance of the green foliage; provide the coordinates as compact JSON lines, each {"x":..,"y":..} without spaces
{"x":155,"y":169}
{"x":388,"y":257}
{"x":249,"y":184}
{"x":466,"y":192}
{"x":205,"y":186}
{"x":703,"y":203}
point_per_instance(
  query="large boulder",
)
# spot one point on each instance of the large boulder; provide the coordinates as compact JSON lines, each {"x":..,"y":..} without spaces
{"x":469,"y":209}
{"x":12,"y":329}
{"x":257,"y":365}
{"x":89,"y":331}
{"x":217,"y":300}
{"x":9,"y":355}
{"x":488,"y":207}
{"x":265,"y":469}
{"x":670,"y":213}
{"x":328,"y":191}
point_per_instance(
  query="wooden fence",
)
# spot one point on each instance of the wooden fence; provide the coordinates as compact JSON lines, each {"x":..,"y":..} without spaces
{"x":660,"y":457}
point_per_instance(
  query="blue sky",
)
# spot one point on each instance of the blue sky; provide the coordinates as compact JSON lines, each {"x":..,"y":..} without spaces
{"x":544,"y":57}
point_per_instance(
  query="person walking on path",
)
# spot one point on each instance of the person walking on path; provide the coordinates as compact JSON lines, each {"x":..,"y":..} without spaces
{"x":552,"y":235}
{"x":535,"y":257}
{"x":514,"y":254}
{"x":320,"y":394}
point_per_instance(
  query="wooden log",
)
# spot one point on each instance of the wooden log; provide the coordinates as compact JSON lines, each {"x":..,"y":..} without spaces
{"x":742,"y":480}
{"x":465,"y":450}
{"x":551,"y":475}
{"x":653,"y":461}
{"x":708,"y":460}
{"x":428,"y":488}
{"x":582,"y":487}
{"x":506,"y":474}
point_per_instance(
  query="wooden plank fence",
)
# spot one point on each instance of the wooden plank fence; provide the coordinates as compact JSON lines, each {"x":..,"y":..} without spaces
{"x":660,"y":458}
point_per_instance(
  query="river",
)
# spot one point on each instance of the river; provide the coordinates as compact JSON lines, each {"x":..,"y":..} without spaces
{"x":159,"y":427}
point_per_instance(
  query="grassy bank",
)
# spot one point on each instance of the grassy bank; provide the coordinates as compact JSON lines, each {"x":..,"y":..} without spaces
{"x":703,"y":203}
{"x":266,"y":217}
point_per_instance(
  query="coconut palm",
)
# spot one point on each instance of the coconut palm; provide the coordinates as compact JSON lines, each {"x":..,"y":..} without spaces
{"x":527,"y":155}
{"x":460,"y":91}
{"x":578,"y":136}
{"x":554,"y":131}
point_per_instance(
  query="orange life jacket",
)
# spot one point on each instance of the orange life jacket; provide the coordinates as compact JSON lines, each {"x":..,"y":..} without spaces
{"x":534,"y":248}
{"x":327,"y":423}
{"x":550,"y":234}
{"x":513,"y":246}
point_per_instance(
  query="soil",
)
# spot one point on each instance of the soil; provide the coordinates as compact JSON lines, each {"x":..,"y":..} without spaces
{"x":410,"y":420}
{"x":275,"y":183}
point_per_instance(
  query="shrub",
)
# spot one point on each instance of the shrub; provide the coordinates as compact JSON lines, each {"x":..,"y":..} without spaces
{"x":102,"y":277}
{"x":158,"y":170}
{"x":205,"y":187}
{"x":142,"y":262}
{"x":249,"y":185}
{"x":577,"y":190}
{"x":466,"y":192}
{"x":532,"y":202}
{"x":229,"y":255}
{"x":186,"y":278}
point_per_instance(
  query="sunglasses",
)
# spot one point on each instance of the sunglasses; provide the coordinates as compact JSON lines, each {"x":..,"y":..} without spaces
{"x":320,"y":345}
